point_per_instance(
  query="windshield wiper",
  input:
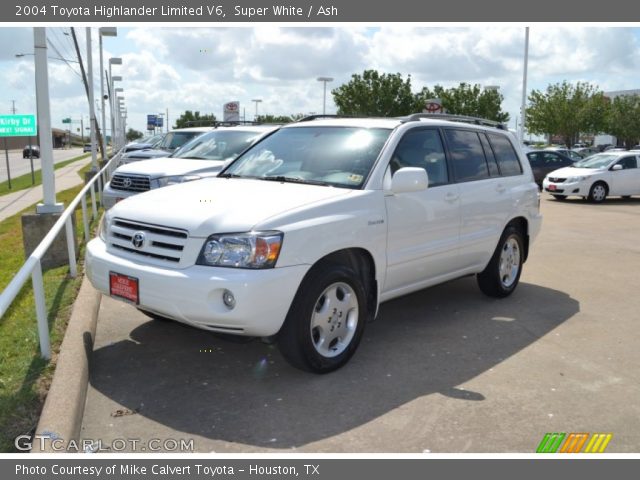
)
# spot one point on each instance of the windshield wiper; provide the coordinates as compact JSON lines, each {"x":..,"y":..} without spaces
{"x":283,"y":179}
{"x":230,"y":175}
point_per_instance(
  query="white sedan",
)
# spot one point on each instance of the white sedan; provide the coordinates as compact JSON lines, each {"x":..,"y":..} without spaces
{"x":597,"y":177}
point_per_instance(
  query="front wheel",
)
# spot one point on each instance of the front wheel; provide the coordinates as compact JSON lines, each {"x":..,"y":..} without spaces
{"x":500,"y":277}
{"x":598,"y":192}
{"x":326,"y":320}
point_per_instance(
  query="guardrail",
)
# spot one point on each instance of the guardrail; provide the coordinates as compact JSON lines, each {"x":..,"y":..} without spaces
{"x":32,"y":267}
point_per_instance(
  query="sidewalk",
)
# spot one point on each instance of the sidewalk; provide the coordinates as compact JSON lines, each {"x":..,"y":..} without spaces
{"x":66,"y":177}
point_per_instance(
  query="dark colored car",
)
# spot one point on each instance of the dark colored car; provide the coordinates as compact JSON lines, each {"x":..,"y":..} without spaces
{"x":32,"y":151}
{"x":546,"y":161}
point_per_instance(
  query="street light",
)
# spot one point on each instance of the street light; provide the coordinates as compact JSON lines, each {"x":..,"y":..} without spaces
{"x":324,"y":80}
{"x":104,"y":32}
{"x":20,"y":55}
{"x":257,"y":101}
{"x":112,"y":106}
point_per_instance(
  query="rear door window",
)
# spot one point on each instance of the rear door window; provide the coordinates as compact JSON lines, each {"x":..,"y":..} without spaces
{"x":467,"y":155}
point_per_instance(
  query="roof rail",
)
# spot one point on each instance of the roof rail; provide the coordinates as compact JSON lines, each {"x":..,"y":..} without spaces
{"x":216,"y":123}
{"x":454,"y":118}
{"x":309,"y":118}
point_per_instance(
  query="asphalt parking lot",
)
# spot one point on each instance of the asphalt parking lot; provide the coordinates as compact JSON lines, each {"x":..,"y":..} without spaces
{"x":442,"y":370}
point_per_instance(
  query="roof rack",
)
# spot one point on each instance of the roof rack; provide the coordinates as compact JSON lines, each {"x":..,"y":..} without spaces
{"x":309,"y":118}
{"x":216,"y":123}
{"x":454,"y":118}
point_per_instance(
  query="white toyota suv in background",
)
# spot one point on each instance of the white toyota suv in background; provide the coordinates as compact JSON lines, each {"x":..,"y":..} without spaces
{"x":170,"y":142}
{"x":204,"y":156}
{"x":310,"y":229}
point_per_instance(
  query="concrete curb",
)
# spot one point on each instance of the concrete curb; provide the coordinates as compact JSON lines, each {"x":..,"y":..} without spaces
{"x":61,"y":417}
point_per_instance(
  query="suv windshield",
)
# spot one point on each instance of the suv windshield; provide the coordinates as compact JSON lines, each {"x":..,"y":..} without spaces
{"x":596,"y":161}
{"x":173,"y":140}
{"x":217,"y":145}
{"x":337,"y":156}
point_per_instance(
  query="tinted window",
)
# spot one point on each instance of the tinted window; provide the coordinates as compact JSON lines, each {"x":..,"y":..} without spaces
{"x":555,"y":160}
{"x":534,"y":159}
{"x":628,"y":162}
{"x":467,"y":155}
{"x":422,"y":148}
{"x":506,"y":155}
{"x":491,"y":158}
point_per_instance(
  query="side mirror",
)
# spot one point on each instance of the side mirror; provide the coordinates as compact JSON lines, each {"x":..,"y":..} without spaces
{"x":617,"y":167}
{"x":409,"y":179}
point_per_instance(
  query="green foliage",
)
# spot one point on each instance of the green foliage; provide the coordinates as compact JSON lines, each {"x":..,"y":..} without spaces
{"x":279,"y":118}
{"x":567,"y":110}
{"x":466,"y":99}
{"x":194,"y":119}
{"x":133,"y":134}
{"x":389,"y":95}
{"x":623,"y":120}
{"x":375,"y":94}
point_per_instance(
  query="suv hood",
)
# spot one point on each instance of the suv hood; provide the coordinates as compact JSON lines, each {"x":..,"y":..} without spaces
{"x":220,"y":205}
{"x":166,"y":167}
{"x":146,"y":154}
{"x":574,"y":172}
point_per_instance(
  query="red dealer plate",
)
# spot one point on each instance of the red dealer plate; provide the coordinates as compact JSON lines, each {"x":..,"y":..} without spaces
{"x":552,"y":187}
{"x":124,"y":286}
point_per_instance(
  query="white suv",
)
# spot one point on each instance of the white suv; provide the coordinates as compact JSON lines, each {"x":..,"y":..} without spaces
{"x":310,"y":229}
{"x":204,"y":156}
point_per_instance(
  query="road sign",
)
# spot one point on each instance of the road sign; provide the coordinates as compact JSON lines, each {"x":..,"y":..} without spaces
{"x":18,"y":126}
{"x":66,"y":120}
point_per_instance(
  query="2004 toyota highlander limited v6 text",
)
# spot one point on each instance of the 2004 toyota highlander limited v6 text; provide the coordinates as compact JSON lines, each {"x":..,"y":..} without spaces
{"x":306,"y":232}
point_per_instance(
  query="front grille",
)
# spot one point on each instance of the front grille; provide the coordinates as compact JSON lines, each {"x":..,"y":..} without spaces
{"x":130,"y":183}
{"x":159,"y":242}
{"x":556,"y":179}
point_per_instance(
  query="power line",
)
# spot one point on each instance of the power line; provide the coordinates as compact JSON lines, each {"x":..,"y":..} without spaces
{"x":62,"y":57}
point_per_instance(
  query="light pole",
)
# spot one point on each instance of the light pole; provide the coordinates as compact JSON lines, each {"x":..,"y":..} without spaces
{"x":112,"y":61}
{"x":257,"y":101}
{"x":104,"y":32}
{"x":115,"y":78}
{"x":92,"y":107}
{"x":524,"y":87}
{"x":324,"y":80}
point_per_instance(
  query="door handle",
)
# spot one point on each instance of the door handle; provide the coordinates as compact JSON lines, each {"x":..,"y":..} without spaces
{"x":451,"y":197}
{"x":500,"y":188}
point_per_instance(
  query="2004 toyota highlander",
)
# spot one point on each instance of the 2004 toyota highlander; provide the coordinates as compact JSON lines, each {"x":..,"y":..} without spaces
{"x":310,"y":229}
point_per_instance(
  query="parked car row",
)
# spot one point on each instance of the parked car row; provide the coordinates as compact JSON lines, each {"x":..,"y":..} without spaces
{"x":313,"y":224}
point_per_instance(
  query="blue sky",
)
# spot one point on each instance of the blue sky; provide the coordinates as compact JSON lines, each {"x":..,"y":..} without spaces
{"x":199,"y":68}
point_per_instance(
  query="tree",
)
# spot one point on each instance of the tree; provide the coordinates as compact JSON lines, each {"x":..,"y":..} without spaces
{"x":567,"y":110}
{"x":375,"y":94}
{"x":194,"y":119}
{"x":279,"y":118}
{"x":623,"y":120}
{"x":466,"y":99}
{"x":133,"y":134}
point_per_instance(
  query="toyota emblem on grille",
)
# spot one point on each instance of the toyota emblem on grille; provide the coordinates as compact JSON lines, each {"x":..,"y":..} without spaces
{"x":126,"y":182}
{"x":138,"y":239}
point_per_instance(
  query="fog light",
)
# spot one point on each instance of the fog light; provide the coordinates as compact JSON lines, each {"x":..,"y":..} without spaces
{"x":228,"y":299}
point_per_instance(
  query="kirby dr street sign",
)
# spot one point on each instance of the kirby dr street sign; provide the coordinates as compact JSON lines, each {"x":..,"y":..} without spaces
{"x":18,"y":126}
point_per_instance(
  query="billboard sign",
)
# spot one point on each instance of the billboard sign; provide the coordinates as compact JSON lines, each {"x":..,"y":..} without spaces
{"x":151,"y":121}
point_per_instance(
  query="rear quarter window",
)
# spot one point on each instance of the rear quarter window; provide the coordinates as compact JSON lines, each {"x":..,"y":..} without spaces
{"x":505,"y":155}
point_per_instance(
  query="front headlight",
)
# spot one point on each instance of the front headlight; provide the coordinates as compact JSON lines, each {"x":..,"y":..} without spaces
{"x":242,"y":250}
{"x":172,"y":180}
{"x":103,"y":228}
{"x":575,"y":179}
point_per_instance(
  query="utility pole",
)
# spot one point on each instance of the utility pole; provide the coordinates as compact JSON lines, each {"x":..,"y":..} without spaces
{"x":84,"y":79}
{"x":523,"y":106}
{"x":92,"y":107}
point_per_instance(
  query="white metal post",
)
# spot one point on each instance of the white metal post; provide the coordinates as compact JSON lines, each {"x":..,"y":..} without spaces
{"x":71,"y":247}
{"x":524,"y":87}
{"x":104,"y":128}
{"x":92,"y":107}
{"x":85,"y":220}
{"x":49,"y":204}
{"x":41,"y":310}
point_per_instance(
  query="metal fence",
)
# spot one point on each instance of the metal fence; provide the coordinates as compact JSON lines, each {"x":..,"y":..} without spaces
{"x":32,"y":267}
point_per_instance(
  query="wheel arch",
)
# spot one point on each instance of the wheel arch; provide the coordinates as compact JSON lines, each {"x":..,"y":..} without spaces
{"x":522,"y":224}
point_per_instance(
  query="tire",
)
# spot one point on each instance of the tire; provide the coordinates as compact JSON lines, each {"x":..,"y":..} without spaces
{"x":598,"y":192}
{"x":560,"y":198}
{"x":501,"y":276}
{"x":319,"y":338}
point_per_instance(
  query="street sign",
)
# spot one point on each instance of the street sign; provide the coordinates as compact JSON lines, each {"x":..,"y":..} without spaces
{"x":18,"y":126}
{"x":66,"y":120}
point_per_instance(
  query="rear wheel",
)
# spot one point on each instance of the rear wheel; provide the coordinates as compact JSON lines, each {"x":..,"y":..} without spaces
{"x":326,"y":320}
{"x":598,"y":192}
{"x":501,"y":276}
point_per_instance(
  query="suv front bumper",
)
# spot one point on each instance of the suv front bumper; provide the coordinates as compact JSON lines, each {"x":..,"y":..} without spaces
{"x":194,"y":295}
